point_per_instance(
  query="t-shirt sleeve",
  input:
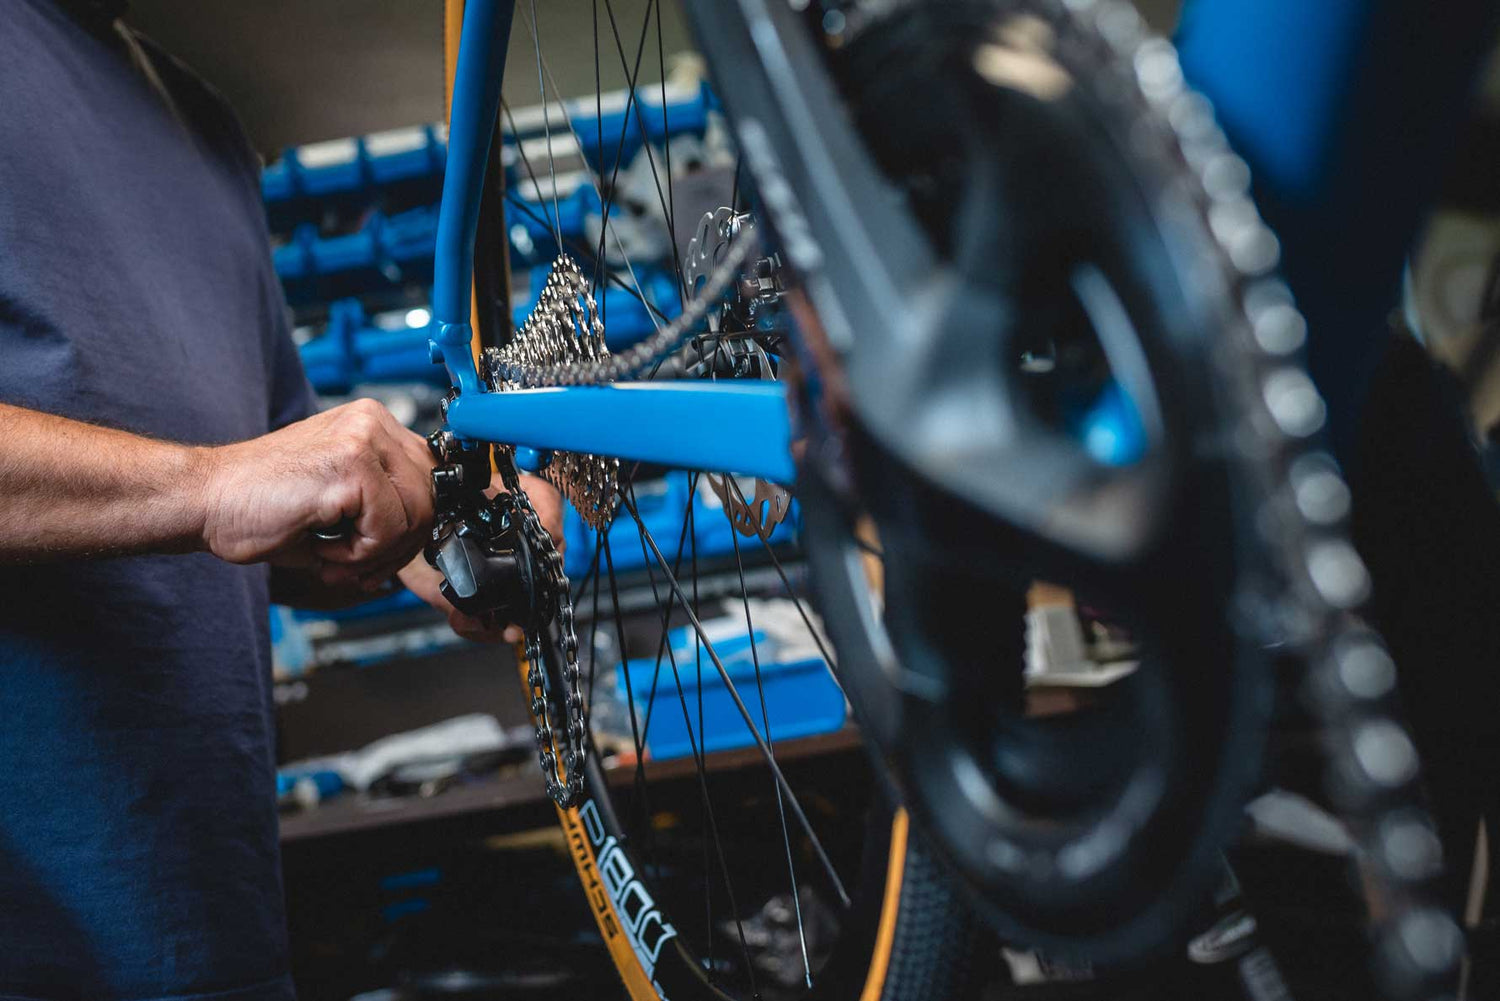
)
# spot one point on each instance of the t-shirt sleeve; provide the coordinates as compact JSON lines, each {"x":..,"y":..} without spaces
{"x":291,"y":397}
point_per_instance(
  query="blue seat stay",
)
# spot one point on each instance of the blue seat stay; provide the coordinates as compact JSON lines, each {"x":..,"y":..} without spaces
{"x":739,"y":426}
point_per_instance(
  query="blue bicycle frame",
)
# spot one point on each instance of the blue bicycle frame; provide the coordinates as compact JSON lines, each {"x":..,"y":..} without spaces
{"x":688,"y":425}
{"x":1343,"y":108}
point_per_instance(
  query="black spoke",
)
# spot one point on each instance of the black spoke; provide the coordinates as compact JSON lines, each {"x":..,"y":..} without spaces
{"x":690,"y":526}
{"x":630,"y":78}
{"x":551,"y":223}
{"x":765,"y":719}
{"x":666,"y":617}
{"x":594,"y":615}
{"x":595,"y":182}
{"x":760,"y":741}
{"x":639,"y":777}
{"x":698,"y":750}
{"x":661,"y":69}
{"x":546,"y":122}
{"x":646,"y":144}
{"x":599,"y":128}
{"x":791,"y":592}
{"x":587,"y":254}
{"x":636,"y":291}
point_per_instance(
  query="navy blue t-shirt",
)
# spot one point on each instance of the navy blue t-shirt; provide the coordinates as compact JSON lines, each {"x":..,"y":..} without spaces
{"x":138,"y":832}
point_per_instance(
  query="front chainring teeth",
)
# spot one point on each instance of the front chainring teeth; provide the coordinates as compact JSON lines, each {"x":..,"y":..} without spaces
{"x":1350,"y":678}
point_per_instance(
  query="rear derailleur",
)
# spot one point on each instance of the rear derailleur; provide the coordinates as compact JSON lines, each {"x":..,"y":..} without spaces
{"x":478,"y":543}
{"x":500,"y":565}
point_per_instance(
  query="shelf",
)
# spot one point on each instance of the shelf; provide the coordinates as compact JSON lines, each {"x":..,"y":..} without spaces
{"x":522,"y":788}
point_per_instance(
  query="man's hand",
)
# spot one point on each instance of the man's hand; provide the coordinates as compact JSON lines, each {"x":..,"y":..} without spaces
{"x":423,"y":581}
{"x":356,"y":463}
{"x":71,"y":490}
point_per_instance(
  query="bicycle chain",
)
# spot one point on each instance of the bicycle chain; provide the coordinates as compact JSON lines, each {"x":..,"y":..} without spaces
{"x":545,"y":556}
{"x":1306,"y":603}
{"x":530,"y":368}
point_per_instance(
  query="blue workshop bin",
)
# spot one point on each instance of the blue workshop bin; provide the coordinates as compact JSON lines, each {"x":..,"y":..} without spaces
{"x":801,"y":698}
{"x":402,"y":154}
{"x":334,"y":167}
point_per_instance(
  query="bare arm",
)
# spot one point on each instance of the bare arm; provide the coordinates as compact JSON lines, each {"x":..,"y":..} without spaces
{"x":69,"y":490}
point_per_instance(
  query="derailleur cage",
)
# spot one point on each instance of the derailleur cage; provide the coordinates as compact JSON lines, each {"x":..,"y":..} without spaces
{"x":477,"y":542}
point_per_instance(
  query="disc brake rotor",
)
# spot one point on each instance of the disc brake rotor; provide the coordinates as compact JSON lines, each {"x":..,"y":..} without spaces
{"x":764,"y":505}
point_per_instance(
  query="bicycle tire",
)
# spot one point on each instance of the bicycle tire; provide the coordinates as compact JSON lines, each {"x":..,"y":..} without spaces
{"x":910,"y":938}
{"x":916,"y":940}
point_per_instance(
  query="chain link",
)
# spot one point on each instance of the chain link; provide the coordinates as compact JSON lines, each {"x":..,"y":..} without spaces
{"x":553,"y":589}
{"x":1306,"y":601}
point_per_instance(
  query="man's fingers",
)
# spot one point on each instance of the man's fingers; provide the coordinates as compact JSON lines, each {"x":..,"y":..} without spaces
{"x":381,"y":527}
{"x":410,"y":471}
{"x":471,"y":628}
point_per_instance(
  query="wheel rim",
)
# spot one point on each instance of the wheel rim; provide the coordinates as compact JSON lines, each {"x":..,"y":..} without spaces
{"x":617,"y":832}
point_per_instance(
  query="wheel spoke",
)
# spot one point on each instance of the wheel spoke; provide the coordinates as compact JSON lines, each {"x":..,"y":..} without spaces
{"x":630,"y":103}
{"x":797,"y":811}
{"x":594,"y":615}
{"x":594,"y":181}
{"x":546,"y":121}
{"x":662,"y":198}
{"x":695,"y":745}
{"x":639,"y":777}
{"x":812,"y":629}
{"x":638,"y":292}
{"x":586,"y":253}
{"x":765,"y":720}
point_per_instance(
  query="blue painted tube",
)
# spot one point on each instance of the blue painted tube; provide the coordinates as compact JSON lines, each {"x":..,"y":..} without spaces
{"x":741,"y":427}
{"x":476,"y":100}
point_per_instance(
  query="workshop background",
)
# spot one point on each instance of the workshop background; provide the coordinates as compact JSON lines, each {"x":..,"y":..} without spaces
{"x":422,"y":856}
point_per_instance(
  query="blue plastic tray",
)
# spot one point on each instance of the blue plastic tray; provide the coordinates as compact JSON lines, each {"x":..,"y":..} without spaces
{"x":801,"y":698}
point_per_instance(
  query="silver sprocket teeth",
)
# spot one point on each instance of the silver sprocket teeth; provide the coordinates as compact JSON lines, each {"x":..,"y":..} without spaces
{"x":563,"y":328}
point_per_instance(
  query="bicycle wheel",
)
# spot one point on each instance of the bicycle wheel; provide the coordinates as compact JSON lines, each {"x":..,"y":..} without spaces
{"x":1048,"y":343}
{"x":722,"y":856}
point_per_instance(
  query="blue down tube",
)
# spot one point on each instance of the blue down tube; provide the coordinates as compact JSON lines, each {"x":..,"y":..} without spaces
{"x":741,"y":427}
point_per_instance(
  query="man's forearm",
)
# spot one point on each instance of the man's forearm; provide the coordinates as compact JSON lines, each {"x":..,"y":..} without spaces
{"x":72,"y":489}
